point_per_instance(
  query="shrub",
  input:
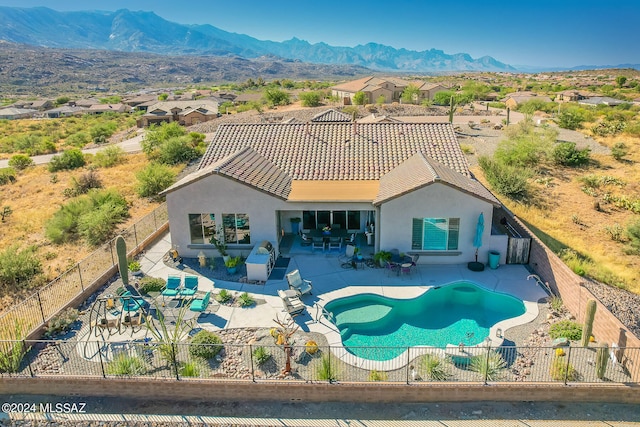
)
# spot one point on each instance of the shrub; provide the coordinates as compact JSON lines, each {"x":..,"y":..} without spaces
{"x":311,"y":99}
{"x":125,"y":364}
{"x":570,"y":119}
{"x":618,"y":151}
{"x":633,"y":233}
{"x":20,"y":162}
{"x":151,"y":284}
{"x":433,"y":368}
{"x":224,"y":296}
{"x":566,"y":154}
{"x":205,"y":344}
{"x":61,"y":322}
{"x":78,"y":140}
{"x":506,"y":180}
{"x":97,"y":225}
{"x":110,"y":156}
{"x":261,"y":355}
{"x":70,"y":159}
{"x":101,"y":132}
{"x":177,"y":150}
{"x":7,"y":175}
{"x":556,"y":304}
{"x":326,"y":370}
{"x":562,"y":370}
{"x":153,"y":179}
{"x":18,"y":267}
{"x":615,"y":232}
{"x":378,"y":376}
{"x":491,"y":365}
{"x":189,"y":369}
{"x":245,"y":300}
{"x":83,"y":184}
{"x":566,"y":329}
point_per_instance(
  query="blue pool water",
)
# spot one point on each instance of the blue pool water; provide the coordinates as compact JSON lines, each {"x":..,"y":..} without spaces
{"x":451,"y":314}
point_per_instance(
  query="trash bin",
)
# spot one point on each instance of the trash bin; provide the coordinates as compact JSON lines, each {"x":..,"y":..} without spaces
{"x":494,"y":259}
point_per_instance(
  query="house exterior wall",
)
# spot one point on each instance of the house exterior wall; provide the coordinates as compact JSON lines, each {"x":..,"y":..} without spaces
{"x":437,"y":201}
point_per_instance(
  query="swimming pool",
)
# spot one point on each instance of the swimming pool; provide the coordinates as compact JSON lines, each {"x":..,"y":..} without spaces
{"x":460,"y":312}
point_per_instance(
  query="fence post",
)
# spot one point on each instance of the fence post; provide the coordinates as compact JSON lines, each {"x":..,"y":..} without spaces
{"x":253,"y":374}
{"x":104,"y":375}
{"x":80,"y":275}
{"x":566,"y":371}
{"x":41,"y":309}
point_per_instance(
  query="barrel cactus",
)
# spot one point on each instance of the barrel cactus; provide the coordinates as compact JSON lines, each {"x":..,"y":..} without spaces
{"x":123,"y":265}
{"x":588,"y":322}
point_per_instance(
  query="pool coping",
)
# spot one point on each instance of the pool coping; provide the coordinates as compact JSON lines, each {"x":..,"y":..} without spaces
{"x":334,"y":339}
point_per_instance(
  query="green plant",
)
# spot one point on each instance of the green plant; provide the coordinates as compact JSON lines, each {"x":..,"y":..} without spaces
{"x":83,"y":184}
{"x":588,"y":322}
{"x":110,"y":156}
{"x":20,"y":161}
{"x":123,"y":267}
{"x":378,"y":376}
{"x":602,"y":358}
{"x":224,"y":296}
{"x":261,"y":355}
{"x":12,"y":351}
{"x":245,"y":300}
{"x":70,"y":159}
{"x":19,"y":267}
{"x":205,"y":344}
{"x":491,"y":365}
{"x":125,"y":364}
{"x":509,"y":181}
{"x":556,"y":304}
{"x":566,"y":329}
{"x":153,"y":179}
{"x":190,"y":369}
{"x":433,"y":368}
{"x":327,"y":369}
{"x":566,"y":154}
{"x":5,"y":213}
{"x":382,"y":257}
{"x":219,"y":242}
{"x":562,"y":370}
{"x":151,"y":284}
{"x":61,"y":322}
{"x":233,"y":262}
{"x":134,"y":266}
{"x":7,"y":175}
{"x":618,"y":151}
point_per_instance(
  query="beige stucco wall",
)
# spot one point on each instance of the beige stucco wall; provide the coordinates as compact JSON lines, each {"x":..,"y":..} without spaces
{"x":437,"y":201}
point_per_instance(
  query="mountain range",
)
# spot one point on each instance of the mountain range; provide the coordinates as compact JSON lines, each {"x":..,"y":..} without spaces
{"x":146,"y":32}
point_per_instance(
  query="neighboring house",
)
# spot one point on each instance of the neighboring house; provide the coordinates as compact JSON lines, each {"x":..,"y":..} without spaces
{"x":84,"y":102}
{"x":13,"y":113}
{"x":108,"y":108}
{"x":245,"y":98}
{"x":186,"y":113}
{"x":65,"y":111}
{"x":139,"y":100}
{"x":514,"y":99}
{"x":572,"y":96}
{"x":331,"y":116}
{"x":411,"y":180}
{"x":40,"y":104}
{"x":378,"y":119}
{"x":601,"y":100}
{"x":390,"y":88}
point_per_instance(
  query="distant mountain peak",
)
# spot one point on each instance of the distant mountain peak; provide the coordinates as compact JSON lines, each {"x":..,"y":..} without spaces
{"x":143,"y":31}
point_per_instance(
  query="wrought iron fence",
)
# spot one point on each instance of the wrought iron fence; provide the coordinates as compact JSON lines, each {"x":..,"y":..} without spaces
{"x":252,"y":362}
{"x":33,"y":311}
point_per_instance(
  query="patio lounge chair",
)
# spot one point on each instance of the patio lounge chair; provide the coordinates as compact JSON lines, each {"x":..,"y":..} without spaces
{"x":292,"y":303}
{"x":190,"y":286}
{"x":200,"y":304}
{"x":298,"y":284}
{"x":173,"y":287}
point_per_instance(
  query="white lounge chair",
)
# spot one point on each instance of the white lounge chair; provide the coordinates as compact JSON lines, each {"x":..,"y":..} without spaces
{"x":298,"y":284}
{"x":291,"y":302}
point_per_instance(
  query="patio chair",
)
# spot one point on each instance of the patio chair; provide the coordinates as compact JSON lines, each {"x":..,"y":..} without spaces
{"x":292,"y":304}
{"x":131,"y":303}
{"x":349,"y":252}
{"x":173,"y":287}
{"x":190,"y":286}
{"x":298,"y":284}
{"x":335,"y":243}
{"x":392,"y":267}
{"x":200,"y":304}
{"x":317,"y":243}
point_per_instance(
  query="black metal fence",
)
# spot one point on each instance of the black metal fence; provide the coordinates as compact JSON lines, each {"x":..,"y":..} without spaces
{"x":252,"y":362}
{"x":34,"y":310}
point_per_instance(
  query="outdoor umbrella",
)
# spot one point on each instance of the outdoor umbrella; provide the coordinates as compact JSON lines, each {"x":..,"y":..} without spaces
{"x":477,"y":240}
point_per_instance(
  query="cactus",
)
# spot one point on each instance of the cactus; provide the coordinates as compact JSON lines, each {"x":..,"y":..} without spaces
{"x":588,"y":322}
{"x":123,"y":265}
{"x":452,"y":105}
{"x":602,"y":357}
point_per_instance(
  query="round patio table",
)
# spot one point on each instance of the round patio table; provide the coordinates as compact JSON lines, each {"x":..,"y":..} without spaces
{"x":177,"y":306}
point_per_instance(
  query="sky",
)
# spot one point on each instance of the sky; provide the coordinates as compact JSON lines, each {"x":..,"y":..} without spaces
{"x":547,"y":33}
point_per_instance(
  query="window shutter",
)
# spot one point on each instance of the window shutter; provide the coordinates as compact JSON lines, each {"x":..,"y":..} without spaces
{"x":416,"y":234}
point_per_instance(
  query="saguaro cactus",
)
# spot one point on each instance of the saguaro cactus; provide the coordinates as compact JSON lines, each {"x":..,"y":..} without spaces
{"x":123,"y":265}
{"x":602,"y":358}
{"x":588,"y":322}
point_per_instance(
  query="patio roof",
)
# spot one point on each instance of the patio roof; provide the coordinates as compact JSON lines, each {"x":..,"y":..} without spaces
{"x":334,"y":191}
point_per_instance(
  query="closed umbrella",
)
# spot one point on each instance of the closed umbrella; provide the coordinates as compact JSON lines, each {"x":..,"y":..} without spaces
{"x":477,"y":240}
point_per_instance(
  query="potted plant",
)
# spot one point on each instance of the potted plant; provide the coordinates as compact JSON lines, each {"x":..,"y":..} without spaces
{"x":135,"y":268}
{"x":382,"y":258}
{"x":295,"y":225}
{"x":232,"y":264}
{"x":357,"y":253}
{"x":220,"y":244}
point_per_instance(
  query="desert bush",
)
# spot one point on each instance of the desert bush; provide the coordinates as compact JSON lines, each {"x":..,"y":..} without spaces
{"x":224,"y":296}
{"x":70,"y":159}
{"x":433,"y":367}
{"x":608,"y":127}
{"x":151,"y":284}
{"x":633,"y":233}
{"x":261,"y":355}
{"x":61,"y":322}
{"x":562,"y":370}
{"x":7,"y":175}
{"x":12,"y":352}
{"x":311,"y":99}
{"x":126,"y":365}
{"x":18,"y":267}
{"x":176,"y":150}
{"x":245,"y":300}
{"x":506,"y":180}
{"x":20,"y":161}
{"x":110,"y":156}
{"x":566,"y":329}
{"x":556,"y":304}
{"x":378,"y":376}
{"x":566,"y":154}
{"x":615,"y":232}
{"x":153,"y":179}
{"x":31,"y":144}
{"x":101,"y":132}
{"x":570,"y":118}
{"x":190,"y":369}
{"x":205,"y":344}
{"x":83,"y":184}
{"x":327,"y":369}
{"x":78,"y":139}
{"x":619,"y":151}
{"x":491,"y":365}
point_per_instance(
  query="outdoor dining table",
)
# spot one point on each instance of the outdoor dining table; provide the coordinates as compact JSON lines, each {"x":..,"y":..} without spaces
{"x":177,"y":307}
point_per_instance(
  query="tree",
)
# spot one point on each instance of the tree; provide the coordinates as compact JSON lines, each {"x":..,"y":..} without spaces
{"x":310,"y":99}
{"x":381,"y":100}
{"x":360,"y":98}
{"x":621,"y":80}
{"x":411,"y":94}
{"x":163,"y":97}
{"x":276,"y":97}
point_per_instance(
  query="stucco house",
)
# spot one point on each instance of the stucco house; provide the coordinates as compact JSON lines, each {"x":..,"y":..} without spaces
{"x":512,"y":100}
{"x":408,"y":182}
{"x":186,"y":113}
{"x":390,"y":88}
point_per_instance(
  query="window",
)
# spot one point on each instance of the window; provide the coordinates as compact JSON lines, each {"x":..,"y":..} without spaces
{"x":236,"y":228}
{"x":435,"y":234}
{"x":343,"y":219}
{"x":202,"y":227}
